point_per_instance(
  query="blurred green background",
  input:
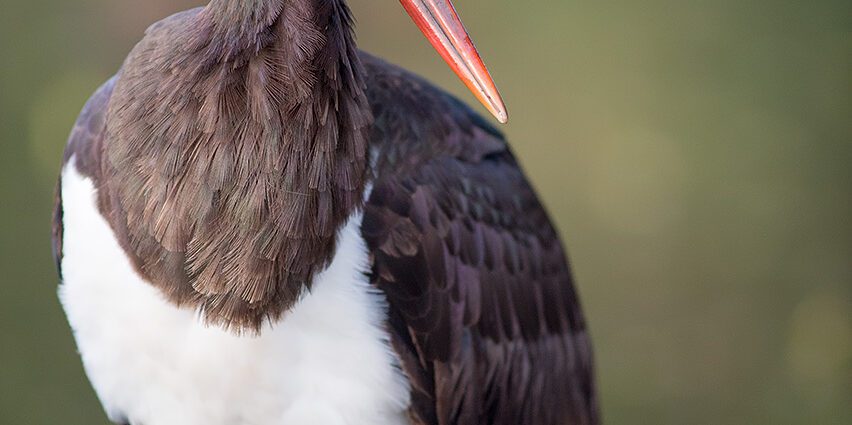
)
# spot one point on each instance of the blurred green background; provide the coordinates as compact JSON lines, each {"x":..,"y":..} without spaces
{"x":696,"y":155}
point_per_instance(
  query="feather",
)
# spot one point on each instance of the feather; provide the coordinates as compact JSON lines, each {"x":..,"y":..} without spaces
{"x":481,"y":295}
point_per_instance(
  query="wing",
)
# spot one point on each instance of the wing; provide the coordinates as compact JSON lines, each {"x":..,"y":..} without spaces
{"x":84,"y":146}
{"x":483,"y":311}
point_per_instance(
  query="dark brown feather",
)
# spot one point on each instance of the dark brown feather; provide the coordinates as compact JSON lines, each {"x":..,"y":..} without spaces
{"x":221,"y":205}
{"x":57,"y":229}
{"x":483,"y":309}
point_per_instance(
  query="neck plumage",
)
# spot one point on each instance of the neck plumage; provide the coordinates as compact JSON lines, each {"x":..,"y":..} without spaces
{"x":259,"y":119}
{"x":246,"y":16}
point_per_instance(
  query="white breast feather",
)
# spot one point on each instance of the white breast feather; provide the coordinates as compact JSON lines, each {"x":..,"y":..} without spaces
{"x":327,"y":362}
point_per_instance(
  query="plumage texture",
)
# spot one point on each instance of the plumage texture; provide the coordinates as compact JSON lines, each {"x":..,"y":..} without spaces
{"x":486,"y":319}
{"x":226,"y":207}
{"x":226,"y":170}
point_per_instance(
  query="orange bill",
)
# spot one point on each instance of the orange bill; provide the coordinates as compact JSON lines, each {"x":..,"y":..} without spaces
{"x":440,"y":23}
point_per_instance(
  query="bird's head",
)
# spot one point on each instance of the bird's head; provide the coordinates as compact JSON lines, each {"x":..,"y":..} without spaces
{"x":438,"y":21}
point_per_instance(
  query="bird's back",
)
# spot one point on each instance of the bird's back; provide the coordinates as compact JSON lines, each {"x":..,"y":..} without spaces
{"x":483,"y":311}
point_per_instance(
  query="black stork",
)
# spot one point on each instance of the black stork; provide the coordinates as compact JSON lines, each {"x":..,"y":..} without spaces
{"x":259,"y":224}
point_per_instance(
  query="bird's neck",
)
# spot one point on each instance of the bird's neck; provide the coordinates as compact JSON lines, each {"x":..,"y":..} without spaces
{"x":298,"y":64}
{"x":246,"y":26}
{"x":247,"y":14}
{"x":240,"y":25}
{"x":257,"y":113}
{"x":308,"y":44}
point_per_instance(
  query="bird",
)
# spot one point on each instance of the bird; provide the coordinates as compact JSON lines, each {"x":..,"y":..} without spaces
{"x":258,"y":223}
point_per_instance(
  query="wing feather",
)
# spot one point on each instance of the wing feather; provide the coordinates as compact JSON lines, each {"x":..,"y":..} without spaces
{"x":484,"y":312}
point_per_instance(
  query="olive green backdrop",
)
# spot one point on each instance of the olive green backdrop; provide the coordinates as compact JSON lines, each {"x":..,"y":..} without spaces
{"x":696,"y":155}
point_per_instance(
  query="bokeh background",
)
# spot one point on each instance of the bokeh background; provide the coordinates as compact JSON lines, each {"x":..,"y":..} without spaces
{"x":696,"y":155}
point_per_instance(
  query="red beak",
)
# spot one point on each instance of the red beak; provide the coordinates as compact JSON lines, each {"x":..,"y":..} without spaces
{"x":438,"y":21}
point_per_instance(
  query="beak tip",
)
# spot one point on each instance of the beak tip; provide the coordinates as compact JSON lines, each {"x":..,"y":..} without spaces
{"x":500,"y":113}
{"x":438,"y":21}
{"x":504,"y":117}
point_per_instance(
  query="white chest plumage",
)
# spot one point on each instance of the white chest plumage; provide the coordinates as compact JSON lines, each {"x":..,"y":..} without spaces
{"x":327,"y":362}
